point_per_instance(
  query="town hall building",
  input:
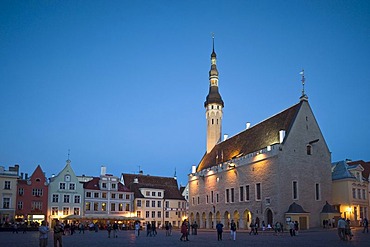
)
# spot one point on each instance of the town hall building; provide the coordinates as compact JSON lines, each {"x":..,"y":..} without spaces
{"x":278,"y":170}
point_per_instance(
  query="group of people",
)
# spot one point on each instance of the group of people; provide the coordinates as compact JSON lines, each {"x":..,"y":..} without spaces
{"x":113,"y":227}
{"x":220,"y":227}
{"x":44,"y":233}
{"x":344,"y":229}
{"x":151,"y":230}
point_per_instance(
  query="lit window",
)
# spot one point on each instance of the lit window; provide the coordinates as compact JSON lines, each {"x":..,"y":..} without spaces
{"x":76,"y":211}
{"x":65,"y":211}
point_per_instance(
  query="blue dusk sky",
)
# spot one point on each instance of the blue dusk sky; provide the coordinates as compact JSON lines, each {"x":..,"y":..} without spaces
{"x":123,"y":83}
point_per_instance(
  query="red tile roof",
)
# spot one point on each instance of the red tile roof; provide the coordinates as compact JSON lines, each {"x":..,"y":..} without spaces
{"x":93,"y":184}
{"x":251,"y":140}
{"x":168,"y":184}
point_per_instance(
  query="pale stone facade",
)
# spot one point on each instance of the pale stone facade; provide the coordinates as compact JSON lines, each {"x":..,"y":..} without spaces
{"x":276,"y":171}
{"x":8,"y":193}
{"x":262,"y":184}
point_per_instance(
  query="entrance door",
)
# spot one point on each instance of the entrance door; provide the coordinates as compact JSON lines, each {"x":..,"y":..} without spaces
{"x":269,"y":217}
{"x":302,"y":223}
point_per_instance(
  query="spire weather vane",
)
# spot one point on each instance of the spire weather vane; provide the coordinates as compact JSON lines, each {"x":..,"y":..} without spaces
{"x":303,"y":81}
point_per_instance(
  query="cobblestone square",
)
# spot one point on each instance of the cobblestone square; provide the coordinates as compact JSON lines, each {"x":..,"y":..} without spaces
{"x":310,"y":238}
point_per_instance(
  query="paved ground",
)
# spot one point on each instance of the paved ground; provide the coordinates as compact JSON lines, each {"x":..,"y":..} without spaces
{"x":311,"y":238}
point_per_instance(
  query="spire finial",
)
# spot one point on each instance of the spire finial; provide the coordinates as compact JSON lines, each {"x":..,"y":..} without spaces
{"x":68,"y":160}
{"x":213,"y":41}
{"x":174,"y":176}
{"x":304,"y":96}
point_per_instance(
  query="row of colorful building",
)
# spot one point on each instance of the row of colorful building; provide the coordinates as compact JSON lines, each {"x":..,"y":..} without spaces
{"x":68,"y":197}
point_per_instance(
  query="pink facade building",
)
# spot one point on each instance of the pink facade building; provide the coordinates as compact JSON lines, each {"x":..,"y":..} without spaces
{"x":32,"y":197}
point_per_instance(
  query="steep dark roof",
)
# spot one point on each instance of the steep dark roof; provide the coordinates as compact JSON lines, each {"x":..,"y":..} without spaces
{"x":328,"y":209}
{"x":93,"y":184}
{"x":168,"y":184}
{"x":213,"y":97}
{"x":295,"y":208}
{"x":252,"y":139}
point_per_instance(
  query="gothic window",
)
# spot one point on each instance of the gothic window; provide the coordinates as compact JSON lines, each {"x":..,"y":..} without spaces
{"x":232,"y":195}
{"x":258,"y":191}
{"x":317,"y":192}
{"x":247,"y":194}
{"x":295,"y":190}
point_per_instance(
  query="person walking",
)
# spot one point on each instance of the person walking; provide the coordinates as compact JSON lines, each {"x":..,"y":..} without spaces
{"x":148,"y":230}
{"x":184,"y":232}
{"x":58,"y":233}
{"x":219,"y":228}
{"x":366,"y":226}
{"x":44,"y":231}
{"x":137,"y":228}
{"x":251,"y":225}
{"x":233,"y":230}
{"x":109,"y":229}
{"x":115,"y":229}
{"x":342,"y":229}
{"x":292,"y":229}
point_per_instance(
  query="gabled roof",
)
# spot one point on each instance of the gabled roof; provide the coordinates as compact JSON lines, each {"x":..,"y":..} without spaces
{"x":250,"y":140}
{"x":95,"y":185}
{"x":365,"y":165}
{"x":168,"y":184}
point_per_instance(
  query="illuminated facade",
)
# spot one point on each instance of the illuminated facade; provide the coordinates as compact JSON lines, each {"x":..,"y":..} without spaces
{"x":65,"y":194}
{"x":351,"y":190}
{"x":107,"y":196}
{"x":260,"y":173}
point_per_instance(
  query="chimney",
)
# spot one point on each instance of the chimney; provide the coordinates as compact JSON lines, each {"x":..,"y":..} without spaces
{"x":281,"y":135}
{"x":226,"y":136}
{"x":247,"y":125}
{"x":103,"y":170}
{"x":193,"y":169}
{"x":26,"y":176}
